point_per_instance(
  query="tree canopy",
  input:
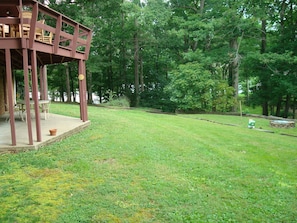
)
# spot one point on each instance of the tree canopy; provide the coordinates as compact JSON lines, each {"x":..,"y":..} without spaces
{"x":201,"y":55}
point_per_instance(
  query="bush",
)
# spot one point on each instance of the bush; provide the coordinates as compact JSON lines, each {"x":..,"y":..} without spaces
{"x":158,"y":99}
{"x":121,"y":101}
{"x":114,"y":100}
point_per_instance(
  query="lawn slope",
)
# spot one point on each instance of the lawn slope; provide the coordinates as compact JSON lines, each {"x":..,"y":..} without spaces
{"x":136,"y":166}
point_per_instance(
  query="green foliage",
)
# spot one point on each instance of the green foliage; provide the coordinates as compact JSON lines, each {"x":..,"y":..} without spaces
{"x":223,"y":99}
{"x":121,"y":101}
{"x":275,"y":74}
{"x":192,"y":87}
{"x":172,"y":33}
{"x":114,"y":100}
{"x":158,"y":99}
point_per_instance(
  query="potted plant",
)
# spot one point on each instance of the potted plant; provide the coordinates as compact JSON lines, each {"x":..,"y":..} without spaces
{"x":53,"y":132}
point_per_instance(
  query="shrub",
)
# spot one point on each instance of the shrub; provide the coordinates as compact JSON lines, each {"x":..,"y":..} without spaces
{"x":158,"y":99}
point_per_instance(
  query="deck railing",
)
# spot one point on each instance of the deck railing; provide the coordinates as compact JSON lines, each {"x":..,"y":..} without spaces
{"x":37,"y":22}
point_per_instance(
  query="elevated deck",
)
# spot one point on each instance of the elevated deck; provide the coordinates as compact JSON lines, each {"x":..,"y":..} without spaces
{"x":30,"y":25}
{"x":32,"y":35}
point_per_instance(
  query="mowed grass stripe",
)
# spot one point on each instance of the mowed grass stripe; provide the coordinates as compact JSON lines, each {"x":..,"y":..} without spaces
{"x":135,"y":166}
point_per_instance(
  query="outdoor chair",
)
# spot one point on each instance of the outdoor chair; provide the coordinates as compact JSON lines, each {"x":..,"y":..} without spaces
{"x":4,"y":30}
{"x":16,"y":109}
{"x":40,"y":33}
{"x":26,"y":27}
{"x":14,"y":30}
{"x":47,"y":38}
{"x":44,"y":108}
{"x":2,"y":34}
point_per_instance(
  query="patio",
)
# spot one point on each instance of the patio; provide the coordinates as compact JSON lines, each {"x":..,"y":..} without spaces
{"x":65,"y":126}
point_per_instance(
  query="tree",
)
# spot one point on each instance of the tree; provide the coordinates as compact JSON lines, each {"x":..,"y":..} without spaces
{"x":137,"y":45}
{"x":190,"y":87}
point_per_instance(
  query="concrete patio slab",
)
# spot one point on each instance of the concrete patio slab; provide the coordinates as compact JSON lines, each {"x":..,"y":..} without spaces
{"x":65,"y":126}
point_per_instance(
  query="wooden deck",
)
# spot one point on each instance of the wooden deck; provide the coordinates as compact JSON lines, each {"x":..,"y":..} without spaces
{"x":55,"y":37}
{"x":32,"y":35}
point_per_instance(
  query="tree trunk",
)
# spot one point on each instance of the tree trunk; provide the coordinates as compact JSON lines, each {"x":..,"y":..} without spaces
{"x":68,"y":92}
{"x":123,"y":71}
{"x":278,"y":107}
{"x":136,"y":65}
{"x":100,"y":95}
{"x":247,"y":90}
{"x":202,"y":3}
{"x":265,"y":108}
{"x":263,"y":35}
{"x":287,"y":106}
{"x":90,"y":88}
{"x":73,"y":90}
{"x":294,"y":107}
{"x":234,"y":68}
{"x":271,"y":109}
{"x":110,"y":72}
{"x":263,"y":50}
{"x":282,"y":21}
{"x":62,"y":99}
{"x":141,"y":74}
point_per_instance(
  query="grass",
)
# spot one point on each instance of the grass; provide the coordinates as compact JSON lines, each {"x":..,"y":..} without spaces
{"x":135,"y":166}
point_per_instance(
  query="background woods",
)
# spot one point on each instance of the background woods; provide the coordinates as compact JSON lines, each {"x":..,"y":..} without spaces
{"x":202,"y":55}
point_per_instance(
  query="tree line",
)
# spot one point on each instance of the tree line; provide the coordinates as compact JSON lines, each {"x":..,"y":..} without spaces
{"x":192,"y":55}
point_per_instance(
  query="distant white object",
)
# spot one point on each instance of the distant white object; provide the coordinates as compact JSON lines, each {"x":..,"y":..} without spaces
{"x":251,"y":124}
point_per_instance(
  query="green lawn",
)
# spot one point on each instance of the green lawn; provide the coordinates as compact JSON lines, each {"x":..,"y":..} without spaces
{"x":136,"y":166}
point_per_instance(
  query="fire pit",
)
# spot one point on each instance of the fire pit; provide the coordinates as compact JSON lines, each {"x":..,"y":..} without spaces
{"x":282,"y":124}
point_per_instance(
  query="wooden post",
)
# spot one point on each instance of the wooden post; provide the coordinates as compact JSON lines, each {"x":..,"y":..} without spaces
{"x":43,"y":83}
{"x":82,"y":90}
{"x":74,"y":41}
{"x":80,"y":79}
{"x":85,"y":92}
{"x":58,"y":33}
{"x":10,"y":95}
{"x":27,"y":97}
{"x":33,"y":24}
{"x":35,"y":94}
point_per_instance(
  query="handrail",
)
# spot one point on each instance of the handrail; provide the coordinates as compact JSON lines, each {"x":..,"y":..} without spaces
{"x":65,"y":32}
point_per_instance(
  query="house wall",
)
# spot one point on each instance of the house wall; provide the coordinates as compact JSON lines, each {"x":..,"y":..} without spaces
{"x":2,"y":91}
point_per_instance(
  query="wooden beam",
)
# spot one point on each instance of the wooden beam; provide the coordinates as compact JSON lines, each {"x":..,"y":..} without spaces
{"x":88,"y":45}
{"x":39,"y":60}
{"x":74,"y":41}
{"x":58,"y":34}
{"x":33,"y":25}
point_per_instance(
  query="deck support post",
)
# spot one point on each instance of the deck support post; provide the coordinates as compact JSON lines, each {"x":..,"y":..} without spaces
{"x":35,"y":94}
{"x":43,"y":83}
{"x":27,"y":97}
{"x":10,"y":95}
{"x":82,"y":90}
